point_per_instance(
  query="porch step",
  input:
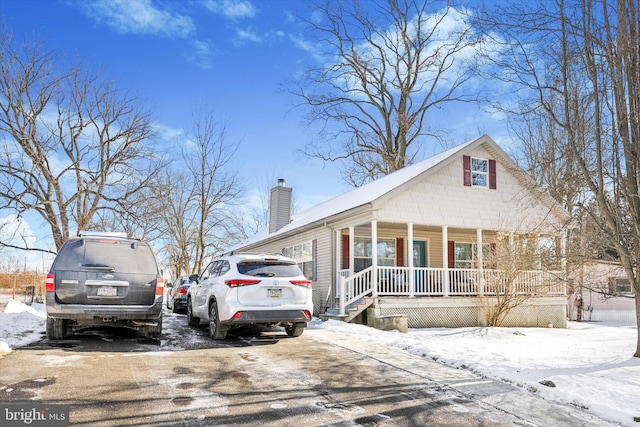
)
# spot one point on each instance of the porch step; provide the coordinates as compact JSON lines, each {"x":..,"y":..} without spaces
{"x":352,"y":310}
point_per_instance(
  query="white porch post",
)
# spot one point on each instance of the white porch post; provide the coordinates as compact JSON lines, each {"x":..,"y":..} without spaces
{"x":480,"y":263}
{"x":445,"y":261}
{"x":512,"y":254}
{"x":374,"y":258}
{"x":538,"y":253}
{"x":412,"y":276}
{"x":338,"y":290}
{"x":563,"y":262}
{"x":352,"y":246}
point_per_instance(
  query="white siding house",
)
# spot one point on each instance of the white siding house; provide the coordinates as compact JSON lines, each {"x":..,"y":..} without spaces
{"x":423,"y":242}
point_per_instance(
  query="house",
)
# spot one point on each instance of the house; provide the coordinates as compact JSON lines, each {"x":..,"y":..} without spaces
{"x":601,"y":293}
{"x":424,"y":242}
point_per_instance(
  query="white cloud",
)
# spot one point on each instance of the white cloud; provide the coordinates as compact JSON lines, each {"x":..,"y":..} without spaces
{"x":14,"y":230}
{"x":232,"y":9}
{"x":139,"y":17}
{"x":201,"y":54}
{"x":247,"y":35}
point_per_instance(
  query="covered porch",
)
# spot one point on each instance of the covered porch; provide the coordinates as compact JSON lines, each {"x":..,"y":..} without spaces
{"x":443,"y":262}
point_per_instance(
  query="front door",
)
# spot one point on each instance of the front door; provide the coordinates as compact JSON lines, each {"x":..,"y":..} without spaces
{"x":419,"y":260}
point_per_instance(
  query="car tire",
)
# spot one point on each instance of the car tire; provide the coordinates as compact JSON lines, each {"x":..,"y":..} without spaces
{"x":56,"y":328}
{"x":215,"y":328}
{"x":153,"y":332}
{"x":295,"y":329}
{"x":173,"y":306}
{"x":191,"y":320}
{"x":169,"y":306}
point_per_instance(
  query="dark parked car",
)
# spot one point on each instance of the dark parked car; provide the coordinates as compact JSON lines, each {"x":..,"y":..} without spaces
{"x":104,"y":279}
{"x":177,"y":295}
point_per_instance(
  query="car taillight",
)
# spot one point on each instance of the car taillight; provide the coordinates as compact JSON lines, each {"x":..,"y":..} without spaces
{"x":240,"y":282}
{"x":159,"y":286}
{"x":301,"y":282}
{"x":307,"y":314}
{"x":237,"y":315}
{"x":182,"y":291}
{"x":50,"y":283}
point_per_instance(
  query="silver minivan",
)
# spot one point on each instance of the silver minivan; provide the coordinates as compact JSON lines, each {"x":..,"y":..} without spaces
{"x":104,"y":279}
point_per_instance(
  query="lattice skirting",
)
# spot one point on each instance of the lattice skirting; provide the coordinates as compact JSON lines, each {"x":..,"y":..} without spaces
{"x":465,"y":312}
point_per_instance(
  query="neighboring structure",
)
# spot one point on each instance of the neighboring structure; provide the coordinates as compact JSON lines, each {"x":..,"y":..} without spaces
{"x":601,"y":293}
{"x":423,"y":242}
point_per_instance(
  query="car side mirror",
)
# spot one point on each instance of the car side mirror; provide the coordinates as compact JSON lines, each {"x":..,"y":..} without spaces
{"x":194,"y":278}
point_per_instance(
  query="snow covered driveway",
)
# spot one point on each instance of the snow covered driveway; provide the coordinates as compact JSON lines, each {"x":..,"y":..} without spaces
{"x":323,"y":378}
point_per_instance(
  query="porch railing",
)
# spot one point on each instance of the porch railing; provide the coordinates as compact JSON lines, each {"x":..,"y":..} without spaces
{"x":424,"y":281}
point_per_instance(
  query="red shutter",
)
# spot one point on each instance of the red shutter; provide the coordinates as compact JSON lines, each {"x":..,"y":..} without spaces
{"x":452,"y":254}
{"x":400,"y":252}
{"x":466,"y":165}
{"x":492,"y":174}
{"x":345,"y":251}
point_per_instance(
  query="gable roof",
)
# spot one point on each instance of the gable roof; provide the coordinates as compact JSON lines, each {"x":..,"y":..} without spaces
{"x":372,"y":191}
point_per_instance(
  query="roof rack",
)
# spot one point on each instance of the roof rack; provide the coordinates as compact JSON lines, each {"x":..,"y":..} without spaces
{"x":106,"y":234}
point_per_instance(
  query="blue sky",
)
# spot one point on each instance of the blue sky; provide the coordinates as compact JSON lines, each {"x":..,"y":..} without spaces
{"x":234,"y":56}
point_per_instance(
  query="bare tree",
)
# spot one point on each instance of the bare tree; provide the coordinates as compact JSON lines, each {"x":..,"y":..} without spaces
{"x":71,"y":141}
{"x":388,"y":63}
{"x":512,"y":257}
{"x":215,"y":185}
{"x":178,"y":218}
{"x":577,"y":62}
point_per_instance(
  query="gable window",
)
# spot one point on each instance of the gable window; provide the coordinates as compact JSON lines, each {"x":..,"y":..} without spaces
{"x":305,"y":256}
{"x":479,"y":172}
{"x":362,"y":252}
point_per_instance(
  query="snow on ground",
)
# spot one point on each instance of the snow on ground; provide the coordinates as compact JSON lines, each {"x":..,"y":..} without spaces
{"x":590,"y":364}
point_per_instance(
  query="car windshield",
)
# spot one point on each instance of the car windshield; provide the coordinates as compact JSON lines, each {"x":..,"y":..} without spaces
{"x":269,"y":269}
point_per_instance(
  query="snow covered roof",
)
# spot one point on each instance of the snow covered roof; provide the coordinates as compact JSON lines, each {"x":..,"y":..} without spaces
{"x":362,"y":195}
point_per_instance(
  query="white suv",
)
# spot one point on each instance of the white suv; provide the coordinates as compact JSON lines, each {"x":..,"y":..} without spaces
{"x":238,"y":290}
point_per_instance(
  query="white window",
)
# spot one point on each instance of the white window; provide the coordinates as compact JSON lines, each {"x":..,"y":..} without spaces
{"x":304,"y":256}
{"x":467,"y":255}
{"x":363,"y":252}
{"x":620,"y":286}
{"x":479,"y":172}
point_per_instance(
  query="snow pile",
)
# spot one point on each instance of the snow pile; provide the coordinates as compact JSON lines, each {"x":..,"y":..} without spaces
{"x":21,"y":324}
{"x":589,"y":365}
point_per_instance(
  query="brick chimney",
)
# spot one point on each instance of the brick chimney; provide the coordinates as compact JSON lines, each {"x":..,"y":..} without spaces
{"x":279,"y":206}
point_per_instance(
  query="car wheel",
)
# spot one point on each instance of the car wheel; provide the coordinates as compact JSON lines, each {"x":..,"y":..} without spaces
{"x":169,"y":306}
{"x":174,"y":309}
{"x":295,"y":329}
{"x":56,"y":328}
{"x":153,"y":332}
{"x":191,"y":320}
{"x":215,"y":329}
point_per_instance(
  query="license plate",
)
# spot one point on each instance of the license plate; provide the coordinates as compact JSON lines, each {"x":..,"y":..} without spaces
{"x":274,"y":293}
{"x":107,"y":291}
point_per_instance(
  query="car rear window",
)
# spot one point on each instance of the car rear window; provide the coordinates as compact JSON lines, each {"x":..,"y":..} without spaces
{"x":110,"y":255}
{"x":269,"y":269}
